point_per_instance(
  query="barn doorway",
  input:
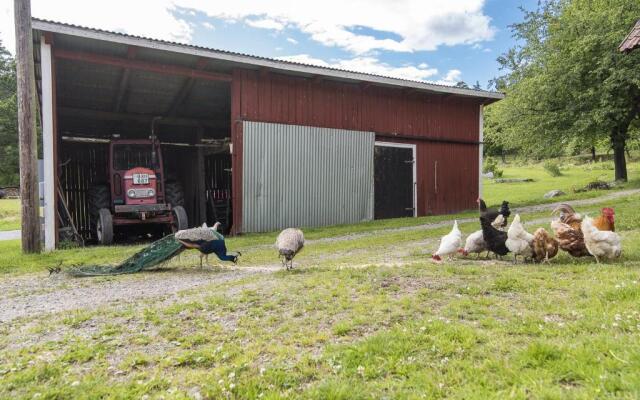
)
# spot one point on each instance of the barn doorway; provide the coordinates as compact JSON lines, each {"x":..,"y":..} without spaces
{"x":395,"y":180}
{"x":111,"y":104}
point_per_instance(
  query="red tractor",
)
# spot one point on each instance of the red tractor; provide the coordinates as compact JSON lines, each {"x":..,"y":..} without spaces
{"x":137,"y":193}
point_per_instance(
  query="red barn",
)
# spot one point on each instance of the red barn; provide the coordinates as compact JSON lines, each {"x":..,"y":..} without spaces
{"x":258,"y":143}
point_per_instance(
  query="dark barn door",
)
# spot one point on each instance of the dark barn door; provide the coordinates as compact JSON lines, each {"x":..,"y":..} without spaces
{"x":393,"y":182}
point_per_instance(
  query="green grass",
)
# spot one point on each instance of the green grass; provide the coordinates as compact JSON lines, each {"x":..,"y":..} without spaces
{"x":573,"y":176}
{"x":9,"y":214}
{"x":366,"y":317}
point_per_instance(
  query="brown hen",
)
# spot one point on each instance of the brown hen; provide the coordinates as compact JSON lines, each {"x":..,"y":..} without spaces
{"x":545,"y":246}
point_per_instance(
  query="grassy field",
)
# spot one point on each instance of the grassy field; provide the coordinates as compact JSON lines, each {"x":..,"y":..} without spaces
{"x":573,"y":177}
{"x":364,"y":316}
{"x":9,"y":214}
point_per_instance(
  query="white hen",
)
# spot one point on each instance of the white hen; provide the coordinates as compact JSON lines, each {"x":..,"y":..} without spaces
{"x":474,"y":244}
{"x":519,"y":241}
{"x":449,"y":244}
{"x":600,"y":243}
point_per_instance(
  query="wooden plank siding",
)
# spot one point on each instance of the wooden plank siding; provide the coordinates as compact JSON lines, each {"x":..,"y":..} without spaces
{"x":265,"y":96}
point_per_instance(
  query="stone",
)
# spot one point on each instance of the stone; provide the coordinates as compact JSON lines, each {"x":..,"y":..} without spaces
{"x":554,"y":193}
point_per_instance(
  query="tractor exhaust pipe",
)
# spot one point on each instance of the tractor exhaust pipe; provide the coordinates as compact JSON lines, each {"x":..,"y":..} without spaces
{"x":153,"y":140}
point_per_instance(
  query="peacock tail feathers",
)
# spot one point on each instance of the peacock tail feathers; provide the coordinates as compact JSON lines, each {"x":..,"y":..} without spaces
{"x":156,"y":253}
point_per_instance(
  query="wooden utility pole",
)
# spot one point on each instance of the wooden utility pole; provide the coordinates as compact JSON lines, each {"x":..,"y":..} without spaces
{"x":27,"y":128}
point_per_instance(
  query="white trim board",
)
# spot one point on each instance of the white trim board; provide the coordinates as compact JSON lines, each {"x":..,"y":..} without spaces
{"x":47,"y":148}
{"x":480,"y":150}
{"x":415,"y":170}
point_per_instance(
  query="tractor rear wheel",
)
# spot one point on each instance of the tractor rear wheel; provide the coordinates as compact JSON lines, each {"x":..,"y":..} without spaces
{"x":104,"y":227}
{"x":174,"y":194}
{"x":98,"y":197}
{"x":179,"y":219}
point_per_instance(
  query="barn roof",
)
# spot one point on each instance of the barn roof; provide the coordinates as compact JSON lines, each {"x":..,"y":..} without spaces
{"x":632,"y":41}
{"x":226,"y":60}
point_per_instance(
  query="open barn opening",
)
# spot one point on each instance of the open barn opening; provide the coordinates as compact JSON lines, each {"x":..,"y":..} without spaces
{"x":142,"y":137}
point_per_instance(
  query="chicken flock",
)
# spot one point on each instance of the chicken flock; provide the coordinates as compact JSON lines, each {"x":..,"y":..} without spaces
{"x":577,"y":235}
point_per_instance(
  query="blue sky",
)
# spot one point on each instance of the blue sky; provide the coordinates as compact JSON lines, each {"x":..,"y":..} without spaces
{"x":476,"y":62}
{"x":442,"y":41}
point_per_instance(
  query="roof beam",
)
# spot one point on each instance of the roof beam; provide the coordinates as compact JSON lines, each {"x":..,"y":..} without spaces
{"x":163,"y":69}
{"x":142,"y":118}
{"x":185,"y":89}
{"x":124,"y":80}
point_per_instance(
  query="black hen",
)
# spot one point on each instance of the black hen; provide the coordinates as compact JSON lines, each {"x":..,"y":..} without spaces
{"x":491,"y":214}
{"x":494,"y":238}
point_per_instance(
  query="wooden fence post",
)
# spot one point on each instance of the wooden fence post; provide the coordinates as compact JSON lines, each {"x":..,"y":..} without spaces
{"x":27,"y":128}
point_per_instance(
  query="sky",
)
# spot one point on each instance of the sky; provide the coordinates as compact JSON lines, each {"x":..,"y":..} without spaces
{"x":439,"y":41}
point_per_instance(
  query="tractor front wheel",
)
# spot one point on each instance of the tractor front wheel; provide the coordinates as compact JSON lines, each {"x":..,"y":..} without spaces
{"x":179,"y":219}
{"x":104,"y":227}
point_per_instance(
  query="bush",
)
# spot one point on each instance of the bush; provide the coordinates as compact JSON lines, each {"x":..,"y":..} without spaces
{"x":552,"y":168}
{"x":491,"y":165}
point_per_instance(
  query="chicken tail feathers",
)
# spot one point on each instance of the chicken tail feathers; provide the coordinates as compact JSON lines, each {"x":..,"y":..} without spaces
{"x":563,"y":208}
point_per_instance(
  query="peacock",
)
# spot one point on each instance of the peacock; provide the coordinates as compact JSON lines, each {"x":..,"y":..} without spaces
{"x":289,"y":243}
{"x":206,"y":240}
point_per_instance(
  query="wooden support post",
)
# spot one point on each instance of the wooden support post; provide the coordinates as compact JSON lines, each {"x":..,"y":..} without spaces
{"x":27,"y":128}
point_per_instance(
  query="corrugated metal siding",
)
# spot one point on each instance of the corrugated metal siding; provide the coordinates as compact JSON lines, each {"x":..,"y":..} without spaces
{"x":305,"y":176}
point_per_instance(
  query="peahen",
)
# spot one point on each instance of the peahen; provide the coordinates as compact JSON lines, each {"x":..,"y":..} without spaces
{"x":206,"y":240}
{"x":289,"y":243}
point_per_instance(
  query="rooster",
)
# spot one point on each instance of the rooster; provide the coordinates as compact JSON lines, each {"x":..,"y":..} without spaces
{"x":289,"y":243}
{"x":519,"y":241}
{"x":568,"y":229}
{"x":491,"y":215}
{"x":206,"y":240}
{"x":449,"y":244}
{"x":600,"y":243}
{"x":545,"y":247}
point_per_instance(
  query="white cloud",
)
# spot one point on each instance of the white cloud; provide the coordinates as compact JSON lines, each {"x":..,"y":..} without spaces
{"x":414,"y":24}
{"x":265,"y":23}
{"x":145,"y":17}
{"x":369,"y":65}
{"x":292,"y":40}
{"x":208,"y":25}
{"x":452,"y":77}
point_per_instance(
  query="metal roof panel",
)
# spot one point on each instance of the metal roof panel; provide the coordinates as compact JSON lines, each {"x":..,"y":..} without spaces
{"x":254,"y":61}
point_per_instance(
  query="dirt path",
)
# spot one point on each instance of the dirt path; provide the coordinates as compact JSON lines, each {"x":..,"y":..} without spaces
{"x":520,"y":210}
{"x":33,"y":294}
{"x":36,"y":294}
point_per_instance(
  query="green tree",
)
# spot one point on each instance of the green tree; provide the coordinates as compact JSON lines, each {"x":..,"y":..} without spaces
{"x":9,"y":155}
{"x":567,"y":84}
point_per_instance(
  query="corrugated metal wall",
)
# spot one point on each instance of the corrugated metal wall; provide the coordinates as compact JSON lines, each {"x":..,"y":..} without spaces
{"x":305,"y":176}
